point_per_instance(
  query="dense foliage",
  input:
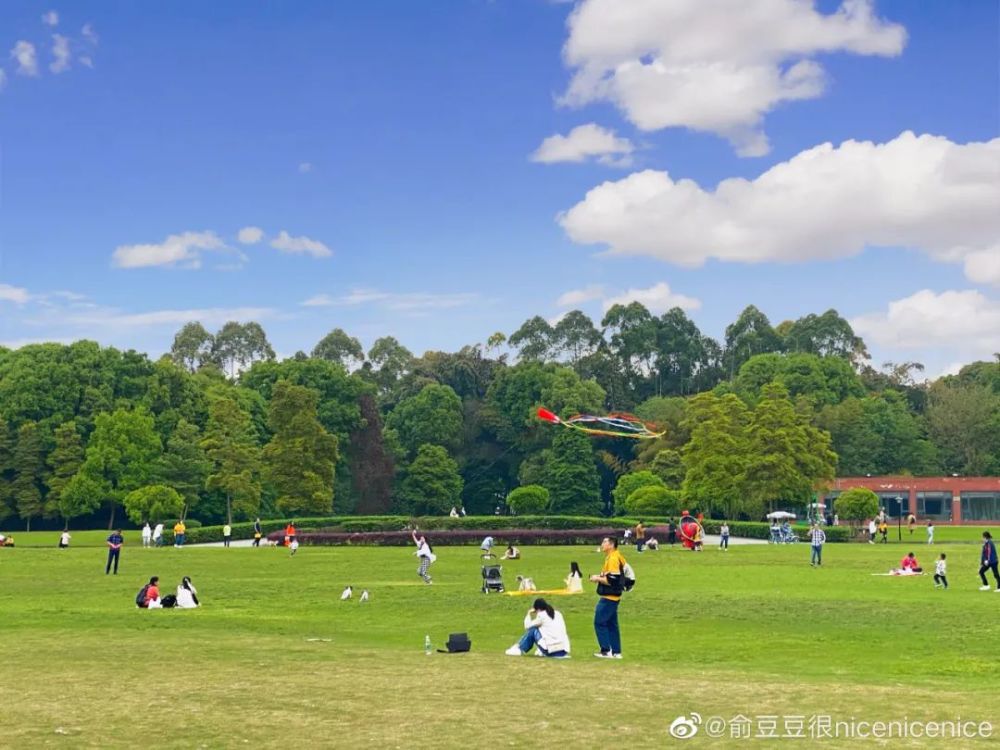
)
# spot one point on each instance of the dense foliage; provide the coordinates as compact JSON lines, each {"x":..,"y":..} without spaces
{"x":219,"y":430}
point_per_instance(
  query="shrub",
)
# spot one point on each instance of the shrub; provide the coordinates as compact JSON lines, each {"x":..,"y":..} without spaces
{"x":652,"y":500}
{"x":528,"y":500}
{"x":856,"y":504}
{"x":629,"y":483}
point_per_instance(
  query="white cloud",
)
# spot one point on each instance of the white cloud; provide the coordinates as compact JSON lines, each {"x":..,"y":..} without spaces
{"x":288,"y":244}
{"x":27,"y":60}
{"x":579,"y":296}
{"x":712,"y":65}
{"x":18,"y":343}
{"x":250,"y":235}
{"x":410,"y":301}
{"x":586,"y":142}
{"x":89,"y":34}
{"x":965,"y":321}
{"x":50,"y":18}
{"x":657,"y":299}
{"x":60,"y":54}
{"x":14,"y":294}
{"x":828,"y":202}
{"x":178,"y":249}
{"x":86,"y":61}
{"x":108,"y":318}
{"x":305,"y":167}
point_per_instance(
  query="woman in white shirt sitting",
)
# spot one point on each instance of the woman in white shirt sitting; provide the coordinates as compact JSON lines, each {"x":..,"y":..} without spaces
{"x":187,"y":595}
{"x":545,"y":629}
{"x":574,"y":581}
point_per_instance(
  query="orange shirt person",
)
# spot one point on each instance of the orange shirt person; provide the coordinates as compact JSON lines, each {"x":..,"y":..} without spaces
{"x":289,"y":533}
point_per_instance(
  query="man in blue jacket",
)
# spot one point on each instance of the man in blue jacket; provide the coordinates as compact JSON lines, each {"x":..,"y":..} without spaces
{"x":988,"y":561}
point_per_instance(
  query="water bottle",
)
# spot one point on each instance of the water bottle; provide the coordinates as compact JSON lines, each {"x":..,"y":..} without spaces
{"x":427,"y":645}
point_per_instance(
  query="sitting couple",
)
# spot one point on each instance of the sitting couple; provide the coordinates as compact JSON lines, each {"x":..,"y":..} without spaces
{"x":545,"y":630}
{"x":185,"y":598}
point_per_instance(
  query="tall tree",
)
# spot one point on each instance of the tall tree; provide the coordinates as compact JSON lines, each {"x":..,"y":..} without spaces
{"x":299,"y":461}
{"x":964,"y":423}
{"x":534,"y":340}
{"x":6,"y":469}
{"x":715,"y":459}
{"x":239,"y":345}
{"x":28,"y":487}
{"x":575,"y":336}
{"x":391,"y":361}
{"x":571,"y":476}
{"x":184,"y":465}
{"x":192,"y":346}
{"x":338,"y":347}
{"x":633,"y":342}
{"x":371,"y":465}
{"x":683,"y":355}
{"x":232,"y":448}
{"x":432,"y":484}
{"x":155,"y":502}
{"x":751,"y":333}
{"x":787,"y":458}
{"x":433,"y":416}
{"x":122,"y":455}
{"x":827,"y":335}
{"x":64,"y":461}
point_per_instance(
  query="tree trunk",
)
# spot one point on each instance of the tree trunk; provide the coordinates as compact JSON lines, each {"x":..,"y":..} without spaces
{"x":111,"y":520}
{"x":28,"y":520}
{"x":229,"y":509}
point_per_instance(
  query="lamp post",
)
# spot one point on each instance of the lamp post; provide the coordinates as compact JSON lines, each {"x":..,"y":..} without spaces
{"x":899,"y":518}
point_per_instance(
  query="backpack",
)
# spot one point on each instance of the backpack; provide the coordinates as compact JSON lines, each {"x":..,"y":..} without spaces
{"x":140,"y":598}
{"x":628,"y":577}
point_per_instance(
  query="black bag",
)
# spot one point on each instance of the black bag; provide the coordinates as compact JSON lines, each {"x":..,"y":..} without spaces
{"x":458,"y":643}
{"x":140,"y":598}
{"x":169,"y":601}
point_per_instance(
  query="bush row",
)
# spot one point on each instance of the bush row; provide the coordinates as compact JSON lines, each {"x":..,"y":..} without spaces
{"x":454,"y":537}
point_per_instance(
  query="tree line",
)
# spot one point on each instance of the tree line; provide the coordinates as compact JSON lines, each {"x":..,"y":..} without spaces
{"x":218,"y":429}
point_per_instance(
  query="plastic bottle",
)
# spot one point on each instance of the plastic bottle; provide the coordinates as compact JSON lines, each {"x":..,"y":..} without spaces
{"x":427,"y":645}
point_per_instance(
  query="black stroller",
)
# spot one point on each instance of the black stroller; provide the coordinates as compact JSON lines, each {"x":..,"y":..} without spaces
{"x":493,"y":579}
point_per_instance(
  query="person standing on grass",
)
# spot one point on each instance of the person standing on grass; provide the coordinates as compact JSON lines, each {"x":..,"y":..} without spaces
{"x":640,"y":536}
{"x":872,"y":531}
{"x":724,"y":537}
{"x":883,"y":529}
{"x":930,"y":532}
{"x":941,"y":572}
{"x":115,"y":542}
{"x":425,"y":554}
{"x":671,"y":533}
{"x":64,"y":540}
{"x":817,"y":538}
{"x":256,"y":533}
{"x":147,"y":535}
{"x":610,"y":585}
{"x":290,"y":533}
{"x":911,"y":522}
{"x":988,"y":561}
{"x":158,"y":535}
{"x":179,"y":531}
{"x":227,"y":534}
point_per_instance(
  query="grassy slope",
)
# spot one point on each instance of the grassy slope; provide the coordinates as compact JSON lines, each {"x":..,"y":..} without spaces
{"x":754,"y":631}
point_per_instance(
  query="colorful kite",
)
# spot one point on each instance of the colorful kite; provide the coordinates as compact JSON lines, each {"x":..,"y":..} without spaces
{"x":613,"y":425}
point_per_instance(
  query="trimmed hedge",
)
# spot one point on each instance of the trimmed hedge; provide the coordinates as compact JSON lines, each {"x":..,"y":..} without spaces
{"x":454,"y":537}
{"x":479,"y":526}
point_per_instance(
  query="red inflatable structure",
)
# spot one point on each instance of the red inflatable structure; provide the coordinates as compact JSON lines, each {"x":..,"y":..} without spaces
{"x":689,"y":530}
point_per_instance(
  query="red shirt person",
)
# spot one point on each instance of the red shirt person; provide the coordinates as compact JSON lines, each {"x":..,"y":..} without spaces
{"x":910,"y":563}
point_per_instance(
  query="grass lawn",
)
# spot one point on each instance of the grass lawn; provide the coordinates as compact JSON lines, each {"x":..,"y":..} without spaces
{"x":275,"y":659}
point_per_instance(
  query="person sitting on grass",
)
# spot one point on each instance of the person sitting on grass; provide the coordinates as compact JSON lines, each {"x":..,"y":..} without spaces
{"x":910,"y":563}
{"x":545,"y":629}
{"x":574,"y":581}
{"x":652,"y":544}
{"x":149,"y":597}
{"x":487,"y":547}
{"x":512,"y":553}
{"x":187,"y":594}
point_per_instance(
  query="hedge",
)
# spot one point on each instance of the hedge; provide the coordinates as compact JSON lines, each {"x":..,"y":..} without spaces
{"x":479,"y":526}
{"x":454,"y":537}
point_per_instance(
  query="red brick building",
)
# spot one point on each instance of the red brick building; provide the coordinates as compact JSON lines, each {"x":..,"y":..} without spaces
{"x":944,"y":500}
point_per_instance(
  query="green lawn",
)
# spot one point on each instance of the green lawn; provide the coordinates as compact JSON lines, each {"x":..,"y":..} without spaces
{"x":275,"y":659}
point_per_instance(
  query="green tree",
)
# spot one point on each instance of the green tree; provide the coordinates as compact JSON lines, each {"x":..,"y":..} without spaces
{"x":827,"y":335}
{"x":28,"y":487}
{"x":238,"y":345}
{"x":81,"y":496}
{"x":964,"y":423}
{"x":571,"y":476}
{"x":338,"y":347}
{"x":653,"y":500}
{"x":184,"y":465}
{"x":432,"y":485}
{"x":300,"y":459}
{"x":686,"y":360}
{"x":787,"y":457}
{"x":154,"y":502}
{"x":231,"y":447}
{"x":192,"y":346}
{"x":371,"y":464}
{"x":856,"y":505}
{"x":716,"y":457}
{"x":529,"y":500}
{"x":433,"y":416}
{"x":6,"y":469}
{"x":751,"y":333}
{"x":64,"y":462}
{"x":534,"y":340}
{"x":122,"y":455}
{"x":629,"y":483}
{"x":633,"y":342}
{"x":575,"y":336}
{"x":391,"y":361}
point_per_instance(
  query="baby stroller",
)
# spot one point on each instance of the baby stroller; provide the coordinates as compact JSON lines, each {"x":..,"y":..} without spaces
{"x":493,"y":579}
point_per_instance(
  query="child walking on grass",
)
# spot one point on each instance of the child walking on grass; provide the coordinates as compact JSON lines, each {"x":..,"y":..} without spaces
{"x":941,"y":572}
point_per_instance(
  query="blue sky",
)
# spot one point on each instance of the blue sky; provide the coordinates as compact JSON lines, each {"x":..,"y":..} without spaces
{"x":393,"y":142}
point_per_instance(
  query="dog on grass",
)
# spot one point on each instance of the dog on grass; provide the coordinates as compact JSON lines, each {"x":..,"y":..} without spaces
{"x":525,"y":584}
{"x":348,"y":593}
